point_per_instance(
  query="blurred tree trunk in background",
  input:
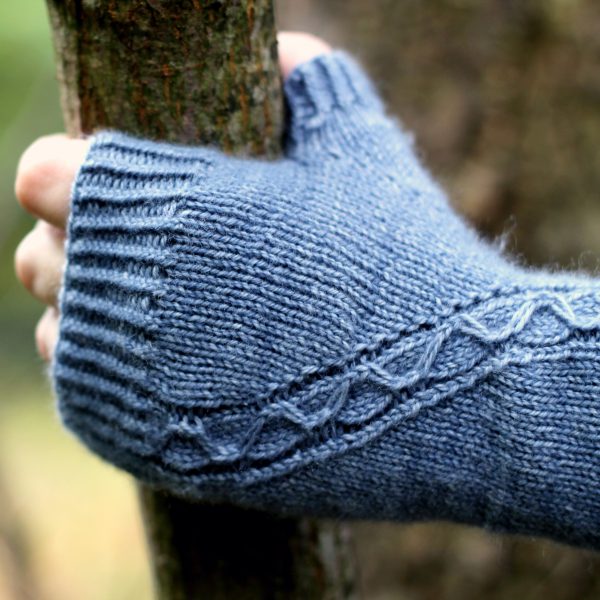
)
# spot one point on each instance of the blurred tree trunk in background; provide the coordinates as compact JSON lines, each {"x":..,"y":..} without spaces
{"x":197,"y":72}
{"x":504,"y":99}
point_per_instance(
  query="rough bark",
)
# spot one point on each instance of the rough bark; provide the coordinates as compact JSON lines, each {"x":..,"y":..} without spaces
{"x":190,"y":71}
{"x":197,"y":71}
{"x":231,"y":553}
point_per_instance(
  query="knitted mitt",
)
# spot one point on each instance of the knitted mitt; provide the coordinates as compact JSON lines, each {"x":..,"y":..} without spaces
{"x":323,"y":334}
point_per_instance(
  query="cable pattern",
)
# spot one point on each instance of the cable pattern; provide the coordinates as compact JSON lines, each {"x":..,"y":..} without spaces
{"x":435,"y":380}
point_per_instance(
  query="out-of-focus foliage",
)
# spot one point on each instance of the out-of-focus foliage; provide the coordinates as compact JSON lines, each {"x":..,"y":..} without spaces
{"x":504,"y":99}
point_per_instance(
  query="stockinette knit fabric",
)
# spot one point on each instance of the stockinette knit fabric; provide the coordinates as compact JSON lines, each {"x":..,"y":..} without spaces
{"x":322,"y":334}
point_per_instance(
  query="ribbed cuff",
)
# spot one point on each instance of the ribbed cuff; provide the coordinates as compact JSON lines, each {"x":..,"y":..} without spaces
{"x":123,"y":219}
{"x":326,"y":83}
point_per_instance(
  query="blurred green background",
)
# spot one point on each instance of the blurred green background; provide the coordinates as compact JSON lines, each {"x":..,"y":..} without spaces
{"x":504,"y":98}
{"x":69,"y":527}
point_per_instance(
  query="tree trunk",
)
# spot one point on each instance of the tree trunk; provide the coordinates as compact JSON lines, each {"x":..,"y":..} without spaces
{"x":197,"y":71}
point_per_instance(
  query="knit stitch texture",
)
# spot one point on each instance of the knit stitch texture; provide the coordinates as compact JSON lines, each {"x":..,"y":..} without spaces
{"x":323,"y":334}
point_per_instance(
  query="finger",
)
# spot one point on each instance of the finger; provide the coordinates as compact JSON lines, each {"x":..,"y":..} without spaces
{"x":45,"y":176}
{"x":46,"y":334}
{"x":296,"y":48}
{"x":39,"y":261}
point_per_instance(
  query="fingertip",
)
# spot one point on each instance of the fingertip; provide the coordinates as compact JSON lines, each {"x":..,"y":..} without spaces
{"x":45,"y":173}
{"x":39,"y":260}
{"x":22,"y":263}
{"x":46,"y":334}
{"x":296,"y":48}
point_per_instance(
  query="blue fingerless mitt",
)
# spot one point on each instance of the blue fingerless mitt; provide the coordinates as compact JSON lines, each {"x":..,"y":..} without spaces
{"x":322,"y":334}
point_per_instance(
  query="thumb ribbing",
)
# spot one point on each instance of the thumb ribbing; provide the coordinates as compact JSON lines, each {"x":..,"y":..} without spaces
{"x":329,"y":94}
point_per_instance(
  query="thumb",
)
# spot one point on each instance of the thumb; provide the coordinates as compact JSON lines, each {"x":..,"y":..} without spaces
{"x":296,"y":48}
{"x":324,"y":88}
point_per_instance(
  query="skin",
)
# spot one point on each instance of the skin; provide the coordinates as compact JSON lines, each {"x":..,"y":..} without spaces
{"x":43,"y":185}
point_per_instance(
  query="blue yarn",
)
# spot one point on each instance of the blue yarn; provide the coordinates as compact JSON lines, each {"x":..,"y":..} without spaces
{"x":323,"y":334}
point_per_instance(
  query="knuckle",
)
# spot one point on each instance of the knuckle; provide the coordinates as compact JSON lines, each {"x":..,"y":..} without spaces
{"x":38,"y":264}
{"x":39,"y":165}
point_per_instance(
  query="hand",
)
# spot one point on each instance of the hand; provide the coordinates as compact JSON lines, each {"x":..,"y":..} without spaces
{"x":43,"y":184}
{"x":44,"y":178}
